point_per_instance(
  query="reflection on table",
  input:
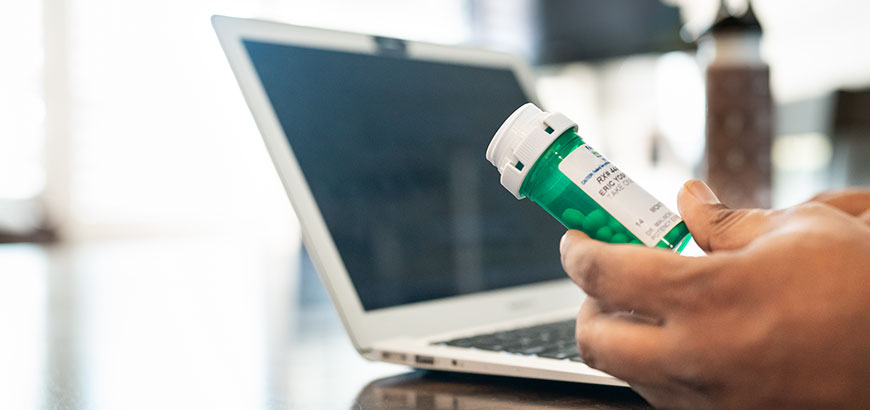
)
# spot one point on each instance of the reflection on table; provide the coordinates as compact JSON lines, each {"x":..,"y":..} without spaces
{"x":454,"y":391}
{"x":211,"y":323}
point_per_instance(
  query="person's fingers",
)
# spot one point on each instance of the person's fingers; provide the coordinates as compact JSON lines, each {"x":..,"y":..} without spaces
{"x":629,"y":277}
{"x":865,"y":217}
{"x":853,"y":201}
{"x":713,"y":225}
{"x":638,"y":353}
{"x":628,"y":350}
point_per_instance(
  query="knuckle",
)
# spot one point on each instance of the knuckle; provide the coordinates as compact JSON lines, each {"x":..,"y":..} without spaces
{"x":590,"y":276}
{"x":584,"y":344}
{"x":824,"y":196}
{"x":583,"y":266}
{"x":689,"y":285}
{"x":810,"y":208}
{"x":698,"y":285}
{"x":767,"y":214}
{"x":587,"y":357}
{"x":726,"y":225}
{"x":807,"y":212}
{"x":586,"y":354}
{"x":692,"y":365}
{"x":724,"y":219}
{"x":569,"y":258}
{"x":698,"y":373}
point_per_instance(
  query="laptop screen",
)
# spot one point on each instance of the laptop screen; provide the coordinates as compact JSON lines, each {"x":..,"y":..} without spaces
{"x":393,"y":151}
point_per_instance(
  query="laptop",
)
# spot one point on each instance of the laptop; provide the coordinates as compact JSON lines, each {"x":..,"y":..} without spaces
{"x":380,"y":143}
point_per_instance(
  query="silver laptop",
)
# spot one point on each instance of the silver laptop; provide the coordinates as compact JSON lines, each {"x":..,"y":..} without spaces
{"x":380,"y":146}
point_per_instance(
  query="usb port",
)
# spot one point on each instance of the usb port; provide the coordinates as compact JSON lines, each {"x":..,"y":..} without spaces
{"x":390,"y":356}
{"x":424,"y":360}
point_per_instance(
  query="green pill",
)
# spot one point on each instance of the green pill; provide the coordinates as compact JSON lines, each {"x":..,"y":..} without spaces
{"x":635,"y":241}
{"x":595,"y":221}
{"x":677,"y":238}
{"x":615,"y":225}
{"x":673,"y":236}
{"x":573,"y":218}
{"x":619,"y":238}
{"x":604,"y":234}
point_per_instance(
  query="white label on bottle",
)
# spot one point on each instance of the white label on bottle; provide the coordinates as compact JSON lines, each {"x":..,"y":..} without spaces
{"x":646,"y":217}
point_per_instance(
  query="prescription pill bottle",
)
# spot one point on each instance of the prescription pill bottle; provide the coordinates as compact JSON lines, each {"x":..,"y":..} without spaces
{"x":541,"y":157}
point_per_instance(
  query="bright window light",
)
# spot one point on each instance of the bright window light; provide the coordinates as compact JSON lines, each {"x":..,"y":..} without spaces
{"x":21,"y":104}
{"x":161,"y":138}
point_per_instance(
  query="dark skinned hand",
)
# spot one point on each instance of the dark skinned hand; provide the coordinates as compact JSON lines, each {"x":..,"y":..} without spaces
{"x":777,"y":315}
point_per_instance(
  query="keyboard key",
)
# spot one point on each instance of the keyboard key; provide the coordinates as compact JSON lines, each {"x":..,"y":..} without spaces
{"x":560,"y":354}
{"x":550,"y":340}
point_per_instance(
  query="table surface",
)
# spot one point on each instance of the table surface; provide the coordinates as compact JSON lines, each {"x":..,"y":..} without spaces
{"x":212,"y":323}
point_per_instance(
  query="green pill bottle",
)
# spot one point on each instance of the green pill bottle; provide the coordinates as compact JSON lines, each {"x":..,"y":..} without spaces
{"x":540,"y":156}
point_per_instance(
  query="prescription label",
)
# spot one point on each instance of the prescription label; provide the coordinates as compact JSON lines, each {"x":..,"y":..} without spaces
{"x":641,"y":213}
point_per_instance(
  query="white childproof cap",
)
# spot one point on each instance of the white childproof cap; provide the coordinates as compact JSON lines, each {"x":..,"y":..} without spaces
{"x":521,"y":140}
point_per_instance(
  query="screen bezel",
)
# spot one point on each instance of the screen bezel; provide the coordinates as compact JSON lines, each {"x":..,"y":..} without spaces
{"x":412,"y":320}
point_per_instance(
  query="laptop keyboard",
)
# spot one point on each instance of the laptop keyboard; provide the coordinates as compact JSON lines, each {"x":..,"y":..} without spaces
{"x":551,"y":340}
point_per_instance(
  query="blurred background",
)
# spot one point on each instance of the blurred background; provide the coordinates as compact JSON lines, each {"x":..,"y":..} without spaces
{"x":121,"y":122}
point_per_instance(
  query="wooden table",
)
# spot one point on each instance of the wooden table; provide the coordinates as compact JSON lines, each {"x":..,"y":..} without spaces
{"x":212,"y":323}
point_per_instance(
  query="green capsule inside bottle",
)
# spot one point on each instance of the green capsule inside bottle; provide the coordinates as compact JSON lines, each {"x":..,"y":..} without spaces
{"x":540,"y":156}
{"x":550,"y":188}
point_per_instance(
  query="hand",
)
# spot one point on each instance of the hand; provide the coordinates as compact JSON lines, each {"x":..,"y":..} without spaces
{"x":776,"y":316}
{"x":854,"y":201}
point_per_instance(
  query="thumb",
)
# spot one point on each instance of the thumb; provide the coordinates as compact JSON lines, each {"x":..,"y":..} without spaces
{"x":713,"y":225}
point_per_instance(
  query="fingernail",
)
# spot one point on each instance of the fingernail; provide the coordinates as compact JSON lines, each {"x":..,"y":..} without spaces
{"x":701,"y":192}
{"x":562,"y":243}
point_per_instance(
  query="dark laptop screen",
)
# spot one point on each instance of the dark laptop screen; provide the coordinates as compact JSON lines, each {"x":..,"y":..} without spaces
{"x":393,"y":150}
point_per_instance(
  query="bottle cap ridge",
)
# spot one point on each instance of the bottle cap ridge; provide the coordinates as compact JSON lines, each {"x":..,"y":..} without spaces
{"x":521,"y":140}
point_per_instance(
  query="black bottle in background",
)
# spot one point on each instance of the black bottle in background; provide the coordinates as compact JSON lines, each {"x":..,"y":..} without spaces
{"x":739,"y":125}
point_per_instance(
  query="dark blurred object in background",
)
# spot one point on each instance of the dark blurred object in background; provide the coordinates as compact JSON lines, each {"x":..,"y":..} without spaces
{"x":851,"y":138}
{"x":559,"y":31}
{"x":23,"y":220}
{"x":739,"y":109}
